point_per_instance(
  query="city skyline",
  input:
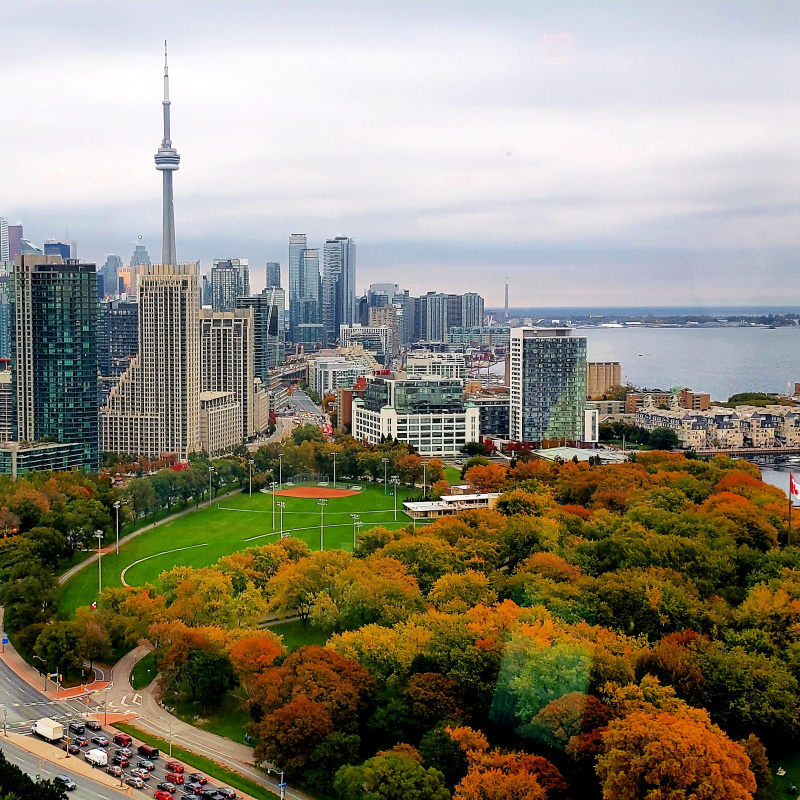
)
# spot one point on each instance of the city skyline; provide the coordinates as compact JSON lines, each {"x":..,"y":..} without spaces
{"x":587,"y":153}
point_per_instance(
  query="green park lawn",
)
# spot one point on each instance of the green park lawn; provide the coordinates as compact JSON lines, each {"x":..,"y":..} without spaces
{"x":203,"y":536}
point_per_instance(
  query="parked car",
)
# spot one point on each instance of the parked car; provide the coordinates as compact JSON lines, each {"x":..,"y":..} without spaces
{"x":196,"y":777}
{"x":166,"y":787}
{"x":162,"y":795}
{"x":123,"y":739}
{"x":137,"y":783}
{"x":100,"y":741}
{"x":93,"y":725}
{"x":72,"y":749}
{"x":114,"y":770}
{"x":145,"y":763}
{"x":174,"y":777}
{"x":66,"y":782}
{"x":141,"y":773}
{"x":174,"y":766}
{"x":81,"y":741}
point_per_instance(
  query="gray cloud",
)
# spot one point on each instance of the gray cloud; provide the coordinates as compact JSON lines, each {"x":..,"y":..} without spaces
{"x":596,"y":153}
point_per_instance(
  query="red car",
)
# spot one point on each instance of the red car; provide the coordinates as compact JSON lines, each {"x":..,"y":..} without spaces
{"x":174,"y":777}
{"x":159,"y":795}
{"x":174,"y":766}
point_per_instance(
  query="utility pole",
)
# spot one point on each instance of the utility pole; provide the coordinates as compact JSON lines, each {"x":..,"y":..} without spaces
{"x":211,"y":471}
{"x":280,"y":469}
{"x":355,"y":518}
{"x":334,"y":469}
{"x":281,"y":506}
{"x":385,"y":462}
{"x":250,"y":463}
{"x":273,"y":486}
{"x":116,"y":506}
{"x":395,"y":481}
{"x":424,"y":479}
{"x":322,"y":504}
{"x":99,"y":535}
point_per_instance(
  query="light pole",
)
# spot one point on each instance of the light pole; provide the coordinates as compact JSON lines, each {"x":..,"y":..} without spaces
{"x":385,"y":462}
{"x":356,"y":518}
{"x":273,"y":486}
{"x":424,"y":479}
{"x":99,"y":535}
{"x":280,"y":468}
{"x":45,"y":670}
{"x":322,"y":504}
{"x":169,"y":722}
{"x":282,"y":784}
{"x":250,"y":464}
{"x":211,"y":471}
{"x":334,"y":469}
{"x":117,"y":504}
{"x":281,"y":506}
{"x":395,"y":481}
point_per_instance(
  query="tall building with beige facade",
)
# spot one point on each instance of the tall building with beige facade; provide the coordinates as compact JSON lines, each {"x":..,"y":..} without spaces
{"x":226,"y":359}
{"x":154,"y":410}
{"x":387,"y":316}
{"x":602,"y":377}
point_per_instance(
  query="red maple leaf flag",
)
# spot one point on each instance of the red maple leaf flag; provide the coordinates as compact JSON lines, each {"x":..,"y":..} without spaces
{"x":794,"y":489}
{"x":94,"y":605}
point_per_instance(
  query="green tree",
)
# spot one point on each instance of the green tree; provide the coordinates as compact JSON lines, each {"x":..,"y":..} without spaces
{"x":59,"y":645}
{"x":664,"y":439}
{"x":209,"y":675}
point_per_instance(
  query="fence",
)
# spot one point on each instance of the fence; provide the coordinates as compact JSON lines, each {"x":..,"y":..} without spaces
{"x":314,"y":478}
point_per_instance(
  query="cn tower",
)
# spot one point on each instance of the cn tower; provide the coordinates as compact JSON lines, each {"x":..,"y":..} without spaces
{"x":167,"y":161}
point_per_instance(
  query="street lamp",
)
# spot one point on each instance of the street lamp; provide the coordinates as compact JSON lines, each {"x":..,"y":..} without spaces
{"x":282,"y":784}
{"x":281,"y":506}
{"x":385,"y":462}
{"x":334,"y":469}
{"x":395,"y":481}
{"x":211,"y":471}
{"x":169,"y":722}
{"x":273,"y":486}
{"x":250,"y":464}
{"x":355,"y":518}
{"x":99,"y":535}
{"x":117,"y":504}
{"x":424,"y":479}
{"x":322,"y":504}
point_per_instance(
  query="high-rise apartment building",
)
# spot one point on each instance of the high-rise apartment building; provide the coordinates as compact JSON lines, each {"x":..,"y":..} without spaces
{"x":338,"y":285}
{"x":230,"y":280}
{"x":389,"y":317}
{"x":55,"y":353}
{"x":547,"y":381}
{"x":5,"y":256}
{"x":304,"y":291}
{"x":471,"y":311}
{"x":117,"y":336}
{"x":154,"y":410}
{"x":226,"y":359}
{"x":206,"y":292}
{"x":273,"y":274}
{"x":269,"y":331}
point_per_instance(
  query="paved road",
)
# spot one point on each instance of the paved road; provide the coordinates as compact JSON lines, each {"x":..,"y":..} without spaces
{"x":300,"y":401}
{"x":33,"y":765}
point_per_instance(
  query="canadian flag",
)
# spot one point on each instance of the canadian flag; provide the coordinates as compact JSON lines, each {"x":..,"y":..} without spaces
{"x":94,"y":605}
{"x":794,"y":489}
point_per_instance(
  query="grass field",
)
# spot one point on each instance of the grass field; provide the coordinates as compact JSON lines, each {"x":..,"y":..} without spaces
{"x":295,"y":634}
{"x":201,"y":537}
{"x":143,"y":672}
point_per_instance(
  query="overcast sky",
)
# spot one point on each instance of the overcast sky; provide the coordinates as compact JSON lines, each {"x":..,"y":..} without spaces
{"x":597,"y":153}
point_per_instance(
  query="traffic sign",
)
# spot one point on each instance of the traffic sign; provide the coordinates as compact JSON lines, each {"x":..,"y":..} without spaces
{"x":5,"y":639}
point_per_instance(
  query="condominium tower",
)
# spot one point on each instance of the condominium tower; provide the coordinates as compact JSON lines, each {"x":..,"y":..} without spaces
{"x":230,"y":280}
{"x":338,"y":285}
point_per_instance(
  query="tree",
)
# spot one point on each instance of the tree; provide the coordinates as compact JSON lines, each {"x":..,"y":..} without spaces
{"x":16,"y":785}
{"x":571,"y":715}
{"x":520,"y":776}
{"x":453,"y":593}
{"x":676,"y":755}
{"x":439,"y":489}
{"x":58,"y":644}
{"x":441,"y":751}
{"x":209,"y":675}
{"x":252,"y":655}
{"x":664,"y":439}
{"x":487,"y":477}
{"x":290,"y":734}
{"x":307,"y":433}
{"x":94,"y":641}
{"x":427,"y":558}
{"x":391,"y":775}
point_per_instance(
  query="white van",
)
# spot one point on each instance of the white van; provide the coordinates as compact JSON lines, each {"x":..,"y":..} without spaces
{"x":97,"y":757}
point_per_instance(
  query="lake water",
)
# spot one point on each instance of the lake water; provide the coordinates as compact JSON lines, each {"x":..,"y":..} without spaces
{"x":721,"y":361}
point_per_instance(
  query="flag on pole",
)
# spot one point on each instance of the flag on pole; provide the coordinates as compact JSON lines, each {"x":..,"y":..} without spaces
{"x":794,"y":489}
{"x":94,"y":604}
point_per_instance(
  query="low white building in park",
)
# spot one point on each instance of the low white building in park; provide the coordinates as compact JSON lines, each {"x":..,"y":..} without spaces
{"x":449,"y":505}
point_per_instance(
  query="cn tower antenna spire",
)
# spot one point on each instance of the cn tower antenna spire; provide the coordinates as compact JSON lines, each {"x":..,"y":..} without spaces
{"x":167,"y":161}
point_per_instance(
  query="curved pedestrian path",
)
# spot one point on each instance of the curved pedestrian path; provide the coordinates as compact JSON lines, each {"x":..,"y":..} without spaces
{"x":156,"y":555}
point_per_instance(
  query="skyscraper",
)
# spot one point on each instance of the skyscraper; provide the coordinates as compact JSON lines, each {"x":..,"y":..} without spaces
{"x":109,"y":273}
{"x":338,"y":285}
{"x":55,"y":352}
{"x":4,"y":253}
{"x":15,"y":234}
{"x":56,"y":247}
{"x":547,"y":382}
{"x":269,"y":333}
{"x":230,"y":280}
{"x":140,"y":255}
{"x":273,"y":274}
{"x":154,"y":410}
{"x":297,"y":246}
{"x":117,"y":336}
{"x":471,"y":311}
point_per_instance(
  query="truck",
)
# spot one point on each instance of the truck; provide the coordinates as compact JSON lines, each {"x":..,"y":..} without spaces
{"x":48,"y":729}
{"x":97,"y":757}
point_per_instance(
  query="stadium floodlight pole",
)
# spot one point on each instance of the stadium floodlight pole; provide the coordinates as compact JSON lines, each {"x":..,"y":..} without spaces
{"x":334,"y":469}
{"x":211,"y":471}
{"x":250,"y":463}
{"x":424,"y":479}
{"x":322,"y":503}
{"x":117,"y":504}
{"x":281,"y":506}
{"x":273,"y":486}
{"x":280,"y":468}
{"x":356,"y":522}
{"x":99,"y":535}
{"x":385,"y":462}
{"x":395,"y":481}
